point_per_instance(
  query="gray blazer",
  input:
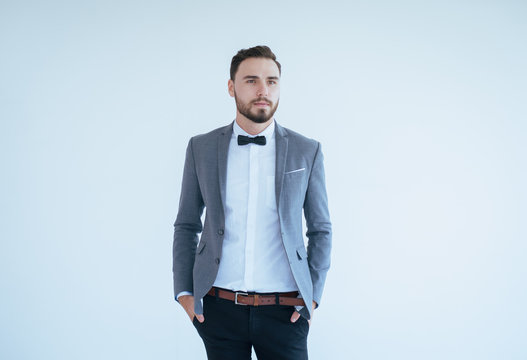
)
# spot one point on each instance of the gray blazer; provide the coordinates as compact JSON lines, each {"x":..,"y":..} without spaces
{"x":195,"y":265}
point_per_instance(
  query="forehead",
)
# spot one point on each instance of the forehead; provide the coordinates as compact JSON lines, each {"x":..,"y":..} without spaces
{"x":261,"y":67}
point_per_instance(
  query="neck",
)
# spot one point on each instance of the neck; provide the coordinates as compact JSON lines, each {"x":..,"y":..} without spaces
{"x":250,"y":126}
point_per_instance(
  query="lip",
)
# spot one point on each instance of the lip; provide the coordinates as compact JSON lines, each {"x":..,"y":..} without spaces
{"x":261,"y":104}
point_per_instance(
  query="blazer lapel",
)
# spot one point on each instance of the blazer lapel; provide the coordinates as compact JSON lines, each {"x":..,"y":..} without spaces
{"x":223,"y":150}
{"x":281,"y":156}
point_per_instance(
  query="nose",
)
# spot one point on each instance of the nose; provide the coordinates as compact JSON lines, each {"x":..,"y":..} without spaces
{"x":263,"y":90}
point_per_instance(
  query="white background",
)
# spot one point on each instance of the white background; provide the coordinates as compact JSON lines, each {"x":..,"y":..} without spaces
{"x":419,"y":105}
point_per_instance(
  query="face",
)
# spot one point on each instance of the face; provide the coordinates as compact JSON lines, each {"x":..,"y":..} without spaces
{"x":256,"y":89}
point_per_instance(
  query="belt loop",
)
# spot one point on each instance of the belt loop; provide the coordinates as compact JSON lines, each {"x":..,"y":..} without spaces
{"x":277,"y":299}
{"x":216,"y":293}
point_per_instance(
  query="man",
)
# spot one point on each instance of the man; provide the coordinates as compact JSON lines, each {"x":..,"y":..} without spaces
{"x":248,"y":280}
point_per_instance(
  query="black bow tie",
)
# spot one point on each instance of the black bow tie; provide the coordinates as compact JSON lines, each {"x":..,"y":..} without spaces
{"x":244,"y":140}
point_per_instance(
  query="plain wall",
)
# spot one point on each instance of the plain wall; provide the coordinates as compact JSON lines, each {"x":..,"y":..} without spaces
{"x":420,"y":109}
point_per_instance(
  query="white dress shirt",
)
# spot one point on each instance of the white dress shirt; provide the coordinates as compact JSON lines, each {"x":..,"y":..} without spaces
{"x":253,"y":255}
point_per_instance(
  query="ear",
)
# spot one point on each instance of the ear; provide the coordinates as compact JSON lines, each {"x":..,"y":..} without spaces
{"x":230,"y":87}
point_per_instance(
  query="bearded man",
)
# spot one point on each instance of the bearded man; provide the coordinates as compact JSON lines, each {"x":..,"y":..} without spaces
{"x":248,"y":281}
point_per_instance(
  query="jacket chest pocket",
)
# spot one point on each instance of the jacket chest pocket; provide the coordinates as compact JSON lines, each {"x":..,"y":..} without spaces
{"x":294,"y":185}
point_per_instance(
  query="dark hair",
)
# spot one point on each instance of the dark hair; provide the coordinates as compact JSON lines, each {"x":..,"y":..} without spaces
{"x":260,"y":51}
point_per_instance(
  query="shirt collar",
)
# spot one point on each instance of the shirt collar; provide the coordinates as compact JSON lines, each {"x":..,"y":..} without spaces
{"x":268,"y":132}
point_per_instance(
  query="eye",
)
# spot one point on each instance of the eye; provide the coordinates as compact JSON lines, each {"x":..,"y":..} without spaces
{"x":250,"y":81}
{"x":272,"y":82}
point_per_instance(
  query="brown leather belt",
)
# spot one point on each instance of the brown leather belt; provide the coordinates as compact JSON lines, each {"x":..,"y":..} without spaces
{"x":242,"y":298}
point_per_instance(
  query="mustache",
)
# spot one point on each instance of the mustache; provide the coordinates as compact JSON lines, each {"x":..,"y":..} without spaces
{"x":262,"y":100}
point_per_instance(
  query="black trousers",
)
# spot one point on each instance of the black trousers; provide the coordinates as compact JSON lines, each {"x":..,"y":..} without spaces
{"x":230,"y":331}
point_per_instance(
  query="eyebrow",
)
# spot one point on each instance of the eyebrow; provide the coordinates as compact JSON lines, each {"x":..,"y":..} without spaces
{"x":257,"y":77}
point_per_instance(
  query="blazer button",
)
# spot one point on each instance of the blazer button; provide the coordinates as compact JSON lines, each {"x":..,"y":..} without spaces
{"x":220,"y":232}
{"x":217,"y":260}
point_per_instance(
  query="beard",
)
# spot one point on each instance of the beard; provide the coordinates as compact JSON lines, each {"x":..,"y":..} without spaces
{"x":259,"y":115}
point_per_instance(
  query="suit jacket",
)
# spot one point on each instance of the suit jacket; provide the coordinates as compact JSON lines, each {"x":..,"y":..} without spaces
{"x":195,"y":265}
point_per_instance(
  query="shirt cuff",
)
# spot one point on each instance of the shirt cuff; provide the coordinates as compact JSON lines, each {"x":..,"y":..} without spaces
{"x":183,"y":293}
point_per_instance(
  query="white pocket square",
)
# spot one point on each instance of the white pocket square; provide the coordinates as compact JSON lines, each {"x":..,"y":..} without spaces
{"x":293,"y":171}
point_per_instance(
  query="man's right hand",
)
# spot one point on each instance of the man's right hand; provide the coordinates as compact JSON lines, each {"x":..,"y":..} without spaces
{"x":187,"y":301}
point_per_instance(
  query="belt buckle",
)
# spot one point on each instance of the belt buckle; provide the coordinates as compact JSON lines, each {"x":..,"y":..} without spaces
{"x":236,"y":297}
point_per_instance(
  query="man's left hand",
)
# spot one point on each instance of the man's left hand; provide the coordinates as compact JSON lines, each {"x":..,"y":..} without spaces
{"x":296,"y":315}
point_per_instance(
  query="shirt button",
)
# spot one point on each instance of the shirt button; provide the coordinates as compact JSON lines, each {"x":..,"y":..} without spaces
{"x":220,"y":231}
{"x":217,"y":260}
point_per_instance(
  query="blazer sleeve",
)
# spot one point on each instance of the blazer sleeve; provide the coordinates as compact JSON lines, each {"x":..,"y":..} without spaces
{"x":318,"y":226}
{"x":187,"y":225}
